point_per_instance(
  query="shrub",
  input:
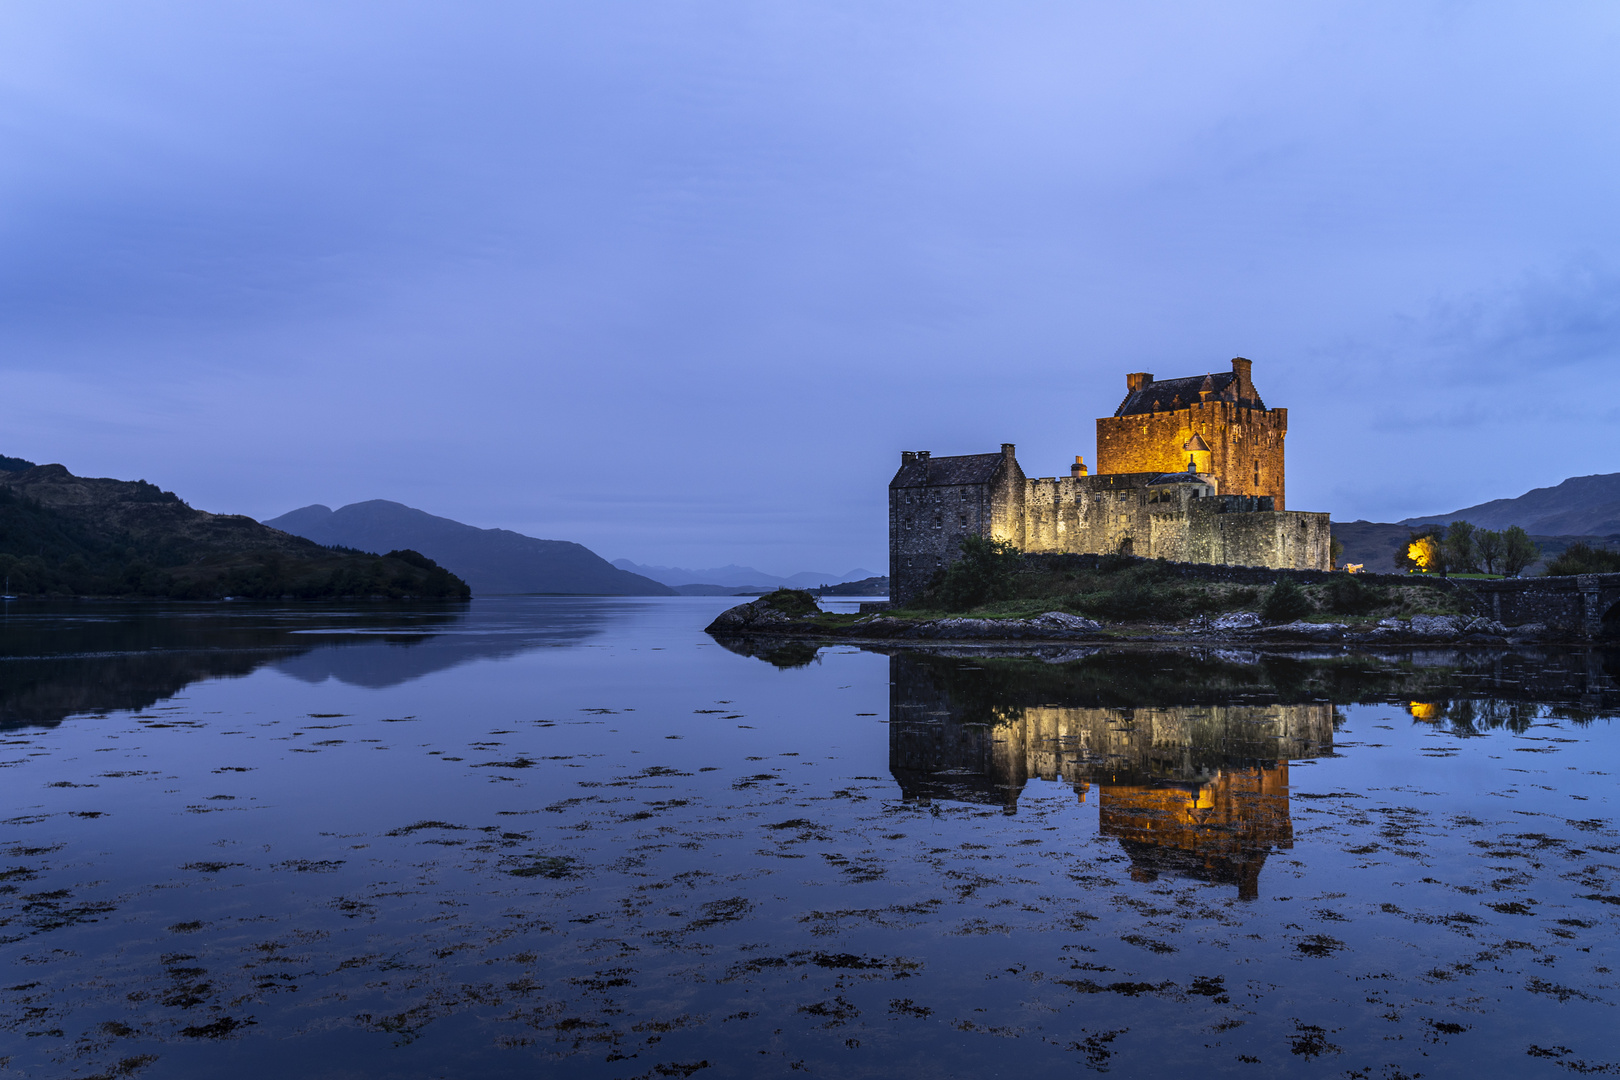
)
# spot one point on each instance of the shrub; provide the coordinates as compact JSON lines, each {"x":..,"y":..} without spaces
{"x":1147,"y":591}
{"x":1350,"y":596}
{"x":1582,"y":558}
{"x":1286,"y":602}
{"x":984,"y":573}
{"x":794,"y":602}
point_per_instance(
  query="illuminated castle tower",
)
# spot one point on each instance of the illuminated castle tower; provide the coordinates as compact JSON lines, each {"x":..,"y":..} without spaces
{"x":1189,"y":470}
{"x":1217,"y":422}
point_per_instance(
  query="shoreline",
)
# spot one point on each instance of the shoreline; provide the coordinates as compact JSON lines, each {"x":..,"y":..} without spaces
{"x":759,"y":619}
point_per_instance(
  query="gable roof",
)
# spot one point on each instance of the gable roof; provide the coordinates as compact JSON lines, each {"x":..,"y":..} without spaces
{"x":1167,"y":395}
{"x":947,"y":471}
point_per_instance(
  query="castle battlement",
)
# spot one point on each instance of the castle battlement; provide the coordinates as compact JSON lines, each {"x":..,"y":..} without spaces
{"x":1188,"y":469}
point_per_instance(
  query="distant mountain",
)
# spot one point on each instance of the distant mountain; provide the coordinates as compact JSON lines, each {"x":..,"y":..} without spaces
{"x":872,"y":586}
{"x":490,"y":560}
{"x":734,"y":576}
{"x":1580,"y":506}
{"x":1373,"y":544}
{"x":709,"y":590}
{"x":66,"y":535}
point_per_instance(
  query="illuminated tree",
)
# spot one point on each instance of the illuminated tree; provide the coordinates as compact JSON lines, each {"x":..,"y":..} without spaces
{"x":1425,"y":552}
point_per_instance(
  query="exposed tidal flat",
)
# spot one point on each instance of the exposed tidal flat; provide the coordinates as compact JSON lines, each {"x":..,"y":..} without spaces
{"x":550,"y":836}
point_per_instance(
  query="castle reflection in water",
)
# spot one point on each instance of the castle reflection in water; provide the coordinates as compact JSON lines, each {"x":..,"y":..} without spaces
{"x":1196,"y":790}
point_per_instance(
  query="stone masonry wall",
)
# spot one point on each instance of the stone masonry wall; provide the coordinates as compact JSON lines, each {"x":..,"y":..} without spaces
{"x":927,"y":524}
{"x":1586,"y":604}
{"x":1099,"y":514}
{"x":1246,"y":445}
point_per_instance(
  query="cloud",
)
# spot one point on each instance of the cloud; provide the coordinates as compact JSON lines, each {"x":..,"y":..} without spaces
{"x":680,"y":281}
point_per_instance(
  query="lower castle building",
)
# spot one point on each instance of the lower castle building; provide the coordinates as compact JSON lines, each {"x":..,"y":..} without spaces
{"x":1188,"y":469}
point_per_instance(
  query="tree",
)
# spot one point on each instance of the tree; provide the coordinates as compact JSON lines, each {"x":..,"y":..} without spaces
{"x":1518,"y":550}
{"x":1582,"y":558}
{"x":1459,"y":547}
{"x":1488,"y":547}
{"x":983,"y":573}
{"x":1425,"y":552}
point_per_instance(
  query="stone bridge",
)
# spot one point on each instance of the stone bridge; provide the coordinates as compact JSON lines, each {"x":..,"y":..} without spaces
{"x":1584,"y":604}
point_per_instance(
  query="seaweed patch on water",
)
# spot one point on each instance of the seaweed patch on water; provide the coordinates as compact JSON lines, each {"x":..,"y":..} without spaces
{"x":551,"y":866}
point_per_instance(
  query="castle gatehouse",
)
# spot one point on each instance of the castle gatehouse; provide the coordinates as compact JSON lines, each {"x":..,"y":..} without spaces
{"x":1188,"y":469}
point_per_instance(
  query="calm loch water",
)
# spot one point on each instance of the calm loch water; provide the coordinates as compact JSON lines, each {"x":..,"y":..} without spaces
{"x":534,"y":837}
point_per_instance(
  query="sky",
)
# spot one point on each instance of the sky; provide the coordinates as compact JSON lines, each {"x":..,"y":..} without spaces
{"x":679,"y":280}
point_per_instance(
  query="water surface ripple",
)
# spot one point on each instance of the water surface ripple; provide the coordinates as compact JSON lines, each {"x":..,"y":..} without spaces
{"x":553,"y":836}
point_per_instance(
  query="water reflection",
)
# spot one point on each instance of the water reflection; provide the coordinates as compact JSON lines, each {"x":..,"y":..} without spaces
{"x":644,"y":857}
{"x":64,"y":659}
{"x":1196,"y":791}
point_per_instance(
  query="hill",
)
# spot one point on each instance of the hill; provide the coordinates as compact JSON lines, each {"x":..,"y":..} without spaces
{"x":490,"y":560}
{"x":67,"y":535}
{"x":735,"y":577}
{"x":1580,"y":506}
{"x":1375,"y":543}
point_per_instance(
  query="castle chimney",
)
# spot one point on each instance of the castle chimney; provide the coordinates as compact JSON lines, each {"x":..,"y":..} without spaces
{"x":1007,"y":450}
{"x":1240,"y":368}
{"x":907,"y":457}
{"x":1137,"y":380}
{"x":924,"y":455}
{"x":1078,"y":469}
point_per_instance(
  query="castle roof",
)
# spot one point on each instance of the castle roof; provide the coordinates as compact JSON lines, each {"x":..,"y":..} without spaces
{"x":1168,"y":395}
{"x":947,"y":471}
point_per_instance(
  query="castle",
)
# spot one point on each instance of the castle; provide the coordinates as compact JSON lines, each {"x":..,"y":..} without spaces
{"x":1188,"y":469}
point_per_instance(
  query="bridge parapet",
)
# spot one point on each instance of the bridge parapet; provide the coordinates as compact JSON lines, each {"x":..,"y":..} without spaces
{"x":1583,"y":604}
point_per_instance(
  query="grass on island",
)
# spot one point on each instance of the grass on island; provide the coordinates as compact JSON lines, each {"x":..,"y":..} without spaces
{"x":1126,"y":590}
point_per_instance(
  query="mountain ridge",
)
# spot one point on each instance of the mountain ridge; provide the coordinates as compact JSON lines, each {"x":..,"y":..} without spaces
{"x":734,"y":576}
{"x":491,"y":561}
{"x":1578,"y":506}
{"x":62,"y":534}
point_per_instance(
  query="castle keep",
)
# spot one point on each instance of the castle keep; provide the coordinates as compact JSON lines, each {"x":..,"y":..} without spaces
{"x":1188,"y":469}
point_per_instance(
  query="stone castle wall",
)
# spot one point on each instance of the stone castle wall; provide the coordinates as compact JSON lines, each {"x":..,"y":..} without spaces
{"x":1246,"y":445}
{"x":1095,"y":515}
{"x":927,"y":524}
{"x":1143,"y":501}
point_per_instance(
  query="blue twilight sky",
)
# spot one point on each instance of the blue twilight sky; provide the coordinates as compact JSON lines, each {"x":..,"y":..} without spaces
{"x":679,"y":280}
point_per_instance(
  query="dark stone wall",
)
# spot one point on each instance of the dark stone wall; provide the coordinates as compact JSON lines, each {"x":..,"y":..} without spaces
{"x":927,"y":524}
{"x":1585,"y":604}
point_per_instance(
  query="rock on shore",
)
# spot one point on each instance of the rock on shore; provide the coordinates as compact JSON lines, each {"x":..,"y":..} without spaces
{"x":763,"y":616}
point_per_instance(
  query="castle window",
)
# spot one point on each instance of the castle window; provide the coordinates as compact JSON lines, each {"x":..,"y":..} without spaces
{"x":1257,"y":474}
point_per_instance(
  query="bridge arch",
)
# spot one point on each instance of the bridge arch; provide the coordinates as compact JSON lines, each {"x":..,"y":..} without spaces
{"x":1610,"y":627}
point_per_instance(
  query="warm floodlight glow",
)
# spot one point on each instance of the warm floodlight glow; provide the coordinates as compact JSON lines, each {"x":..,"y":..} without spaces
{"x":1424,"y":710}
{"x":1424,"y":553}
